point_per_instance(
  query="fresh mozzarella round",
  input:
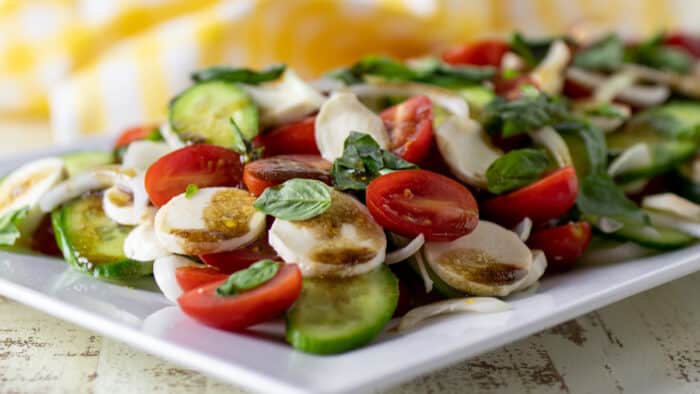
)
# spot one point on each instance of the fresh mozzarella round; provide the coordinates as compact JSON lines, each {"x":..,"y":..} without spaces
{"x":142,"y":244}
{"x":215,"y":219}
{"x":340,"y":115}
{"x":141,"y":154}
{"x":128,"y":203}
{"x":466,"y":149}
{"x":164,"y":273}
{"x":489,"y":261}
{"x":343,"y":241}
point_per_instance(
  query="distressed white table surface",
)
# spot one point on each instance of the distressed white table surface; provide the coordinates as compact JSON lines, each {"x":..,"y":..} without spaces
{"x":645,"y":344}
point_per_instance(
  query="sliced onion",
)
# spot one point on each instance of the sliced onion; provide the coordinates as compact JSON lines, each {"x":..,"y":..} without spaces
{"x":470,"y":304}
{"x":427,"y":282}
{"x":637,"y":95}
{"x":405,"y":252}
{"x":613,"y":86}
{"x":443,"y":97}
{"x":608,"y":225}
{"x":170,"y":137}
{"x":687,"y":84}
{"x":554,"y":143}
{"x":523,"y":229}
{"x":674,"y":205}
{"x":548,"y":74}
{"x":164,"y":273}
{"x":672,"y":221}
{"x":635,"y":157}
{"x":539,"y":265}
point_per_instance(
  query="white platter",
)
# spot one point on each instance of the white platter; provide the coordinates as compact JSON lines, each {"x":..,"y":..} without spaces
{"x":261,"y":361}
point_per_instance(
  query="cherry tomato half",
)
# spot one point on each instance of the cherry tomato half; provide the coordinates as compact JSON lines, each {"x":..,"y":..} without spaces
{"x":190,"y":277}
{"x":688,"y":42}
{"x":202,"y":165}
{"x":271,"y":171}
{"x":410,"y":127}
{"x":133,"y":134}
{"x":293,"y":138}
{"x":241,"y":258}
{"x":479,"y":53}
{"x":245,"y":309}
{"x":562,"y":245}
{"x":548,"y":198}
{"x":412,"y":202}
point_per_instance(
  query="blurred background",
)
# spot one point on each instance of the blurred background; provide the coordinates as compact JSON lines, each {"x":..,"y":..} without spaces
{"x":71,"y":68}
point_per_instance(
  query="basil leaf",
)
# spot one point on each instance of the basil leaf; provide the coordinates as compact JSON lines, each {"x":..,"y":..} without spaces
{"x":654,"y":53}
{"x":254,"y":276}
{"x":527,"y":113}
{"x":516,"y":169}
{"x":9,"y":222}
{"x":295,"y":199}
{"x":532,"y":50}
{"x":191,"y":190}
{"x":577,"y":132}
{"x":241,"y":75}
{"x":244,"y":146}
{"x":605,"y":110}
{"x":599,"y":195}
{"x":605,"y":54}
{"x":362,"y":161}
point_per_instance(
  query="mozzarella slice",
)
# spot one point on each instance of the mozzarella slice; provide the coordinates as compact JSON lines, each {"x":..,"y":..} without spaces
{"x":142,"y":244}
{"x":343,"y":241}
{"x":128,"y":203}
{"x":289,"y":100}
{"x":141,"y":154}
{"x":164,"y":273}
{"x":467,"y":149}
{"x":489,"y":261}
{"x":215,"y":219}
{"x":340,"y":115}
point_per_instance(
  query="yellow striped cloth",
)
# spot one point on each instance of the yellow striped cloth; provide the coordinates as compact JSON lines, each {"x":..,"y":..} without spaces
{"x":94,"y":66}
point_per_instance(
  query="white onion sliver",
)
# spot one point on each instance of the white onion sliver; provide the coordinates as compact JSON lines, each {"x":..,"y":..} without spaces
{"x":407,"y":251}
{"x":613,"y":86}
{"x":673,"y":204}
{"x":635,"y":157}
{"x":470,"y":304}
{"x":99,"y":178}
{"x":523,"y":229}
{"x":609,"y":225}
{"x":670,"y":221}
{"x":539,"y":265}
{"x":424,"y":272}
{"x":554,"y":143}
{"x":170,"y":137}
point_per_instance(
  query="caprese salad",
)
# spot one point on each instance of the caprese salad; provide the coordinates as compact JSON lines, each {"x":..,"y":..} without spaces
{"x":387,"y":188}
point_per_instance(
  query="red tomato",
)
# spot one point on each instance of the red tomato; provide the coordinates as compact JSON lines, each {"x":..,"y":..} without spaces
{"x":548,"y":198}
{"x":686,"y":41}
{"x":190,"y":277}
{"x":271,"y":171}
{"x":44,"y":239}
{"x":241,"y":258}
{"x":480,"y":53}
{"x":412,"y":202}
{"x":410,"y":127}
{"x":562,"y":245}
{"x":245,"y":309}
{"x":133,"y":134}
{"x":202,"y":165}
{"x":293,"y":138}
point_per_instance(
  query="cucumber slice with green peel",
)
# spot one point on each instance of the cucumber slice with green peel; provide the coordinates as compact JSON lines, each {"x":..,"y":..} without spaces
{"x":78,"y":162}
{"x":203,"y":113}
{"x":665,"y":157}
{"x":334,"y":315}
{"x":651,"y":236}
{"x":477,"y":97}
{"x":92,"y":242}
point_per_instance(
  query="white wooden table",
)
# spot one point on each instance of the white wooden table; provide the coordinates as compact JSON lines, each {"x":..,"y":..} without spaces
{"x":649,"y":343}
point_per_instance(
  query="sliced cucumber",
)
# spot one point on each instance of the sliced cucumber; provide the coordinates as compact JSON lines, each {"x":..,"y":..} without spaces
{"x":477,"y":97}
{"x":655,"y":237}
{"x":683,"y":182}
{"x":664,"y":156}
{"x":337,"y":315}
{"x":203,"y":114}
{"x":78,"y":162}
{"x":92,"y":242}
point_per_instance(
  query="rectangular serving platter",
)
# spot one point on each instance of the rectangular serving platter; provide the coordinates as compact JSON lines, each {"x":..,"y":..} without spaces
{"x":260,"y":360}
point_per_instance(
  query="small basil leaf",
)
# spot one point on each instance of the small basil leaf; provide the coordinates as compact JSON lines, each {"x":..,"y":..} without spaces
{"x":579,"y":131}
{"x":9,"y":222}
{"x":295,"y":199}
{"x":244,"y":146}
{"x":600,"y":196}
{"x":241,"y":75}
{"x":605,"y":110}
{"x":532,"y":50}
{"x":191,"y":190}
{"x":516,"y":169}
{"x":605,"y":54}
{"x":527,"y":113}
{"x":254,"y":276}
{"x":654,"y":53}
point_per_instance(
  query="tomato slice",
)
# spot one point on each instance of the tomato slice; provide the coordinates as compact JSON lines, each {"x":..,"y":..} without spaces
{"x":271,"y":171}
{"x":202,"y":165}
{"x":410,"y":127}
{"x":548,"y":198}
{"x":562,"y":245}
{"x":245,"y":309}
{"x":688,"y":42}
{"x":479,"y":53}
{"x":412,"y":202}
{"x":293,"y":138}
{"x":189,"y":277}
{"x":44,"y":239}
{"x":241,"y":258}
{"x":133,"y":134}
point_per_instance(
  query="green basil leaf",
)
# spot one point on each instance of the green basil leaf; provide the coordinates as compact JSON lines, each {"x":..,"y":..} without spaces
{"x":604,"y":110}
{"x":241,"y":75}
{"x":527,"y":113}
{"x":577,"y":133}
{"x":516,"y":169}
{"x":362,"y":161}
{"x":605,"y":54}
{"x":244,"y":146}
{"x":532,"y":50}
{"x":654,"y":53}
{"x":9,"y":222}
{"x":191,"y":190}
{"x":295,"y":199}
{"x":254,"y":276}
{"x":599,"y":196}
{"x":154,"y":135}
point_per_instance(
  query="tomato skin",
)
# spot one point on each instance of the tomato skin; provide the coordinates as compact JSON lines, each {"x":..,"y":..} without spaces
{"x":133,"y":134}
{"x":245,"y":309}
{"x":293,"y":138}
{"x":479,"y":53}
{"x":412,"y":202}
{"x":549,"y":198}
{"x":241,"y":258}
{"x":410,"y":127}
{"x":202,"y":165}
{"x":190,"y":277}
{"x":271,"y":171}
{"x":44,"y":239}
{"x":690,"y":43}
{"x":562,"y":245}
